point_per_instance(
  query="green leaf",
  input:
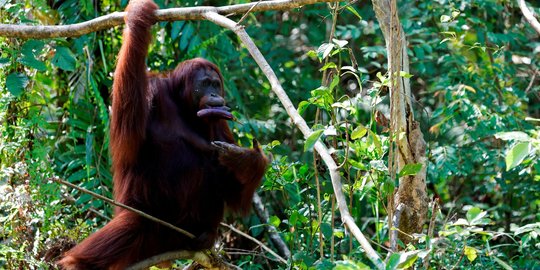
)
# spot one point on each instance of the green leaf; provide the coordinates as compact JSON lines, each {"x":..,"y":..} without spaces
{"x":516,"y":154}
{"x":503,"y":264}
{"x":187,"y":35}
{"x":471,"y":253}
{"x":393,"y":261}
{"x":359,"y":132}
{"x":348,"y":265}
{"x":340,"y":43}
{"x":445,"y":18}
{"x":64,"y":59}
{"x":274,"y":221}
{"x":334,"y":83}
{"x":378,"y":165}
{"x":312,"y":139}
{"x":473,"y":213}
{"x":176,"y":29}
{"x":293,"y":219}
{"x":326,"y":230}
{"x":33,"y":47}
{"x":328,"y":65}
{"x":302,"y":106}
{"x":4,"y":62}
{"x":405,"y":74}
{"x":30,"y":50}
{"x":461,"y":222}
{"x":16,"y":82}
{"x":419,"y":52}
{"x":32,"y":62}
{"x":312,"y":54}
{"x":324,"y":50}
{"x":407,"y":259}
{"x":513,"y":135}
{"x":353,"y":11}
{"x":410,"y":169}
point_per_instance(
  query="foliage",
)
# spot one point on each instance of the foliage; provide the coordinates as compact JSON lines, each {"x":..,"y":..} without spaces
{"x":475,"y":82}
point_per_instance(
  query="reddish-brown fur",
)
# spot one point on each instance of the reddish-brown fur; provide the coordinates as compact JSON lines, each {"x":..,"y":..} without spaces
{"x":163,"y":160}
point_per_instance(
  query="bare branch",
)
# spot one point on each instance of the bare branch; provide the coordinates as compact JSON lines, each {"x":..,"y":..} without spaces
{"x":434,"y":210}
{"x":265,"y":247}
{"x":529,"y":16}
{"x":171,"y":14}
{"x":395,"y":225}
{"x":261,"y":212}
{"x":306,"y":131}
{"x":113,"y":202}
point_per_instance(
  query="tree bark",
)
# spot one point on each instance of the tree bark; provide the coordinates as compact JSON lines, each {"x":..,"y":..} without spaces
{"x":170,"y":14}
{"x":529,"y":16}
{"x":407,"y":141}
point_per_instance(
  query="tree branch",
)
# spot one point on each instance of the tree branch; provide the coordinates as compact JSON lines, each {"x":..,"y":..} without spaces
{"x":261,"y":212}
{"x":171,"y":14}
{"x":279,"y":258}
{"x":113,"y":202}
{"x":529,"y":16}
{"x":304,"y":128}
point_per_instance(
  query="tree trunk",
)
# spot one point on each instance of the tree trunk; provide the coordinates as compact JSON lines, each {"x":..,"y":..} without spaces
{"x":408,"y":206}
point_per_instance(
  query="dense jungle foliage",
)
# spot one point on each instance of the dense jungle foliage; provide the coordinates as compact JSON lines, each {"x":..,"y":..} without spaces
{"x":475,"y":77}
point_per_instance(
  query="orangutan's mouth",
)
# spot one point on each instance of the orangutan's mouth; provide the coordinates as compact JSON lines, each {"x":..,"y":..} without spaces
{"x":215,"y":112}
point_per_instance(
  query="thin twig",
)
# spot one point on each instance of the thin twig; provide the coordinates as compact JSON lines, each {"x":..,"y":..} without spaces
{"x":247,"y":12}
{"x":531,"y":83}
{"x":306,"y":131}
{"x":431,"y":228}
{"x":395,"y":225}
{"x":319,"y":206}
{"x":101,"y":197}
{"x":261,"y":244}
{"x":171,"y":14}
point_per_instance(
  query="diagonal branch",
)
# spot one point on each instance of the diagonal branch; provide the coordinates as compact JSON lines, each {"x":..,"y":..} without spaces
{"x":273,"y":234}
{"x":529,"y":16}
{"x":170,"y":14}
{"x":304,"y":128}
{"x":279,"y":258}
{"x":115,"y":203}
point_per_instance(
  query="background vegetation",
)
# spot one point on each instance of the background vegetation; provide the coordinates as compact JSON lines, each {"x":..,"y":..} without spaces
{"x":475,"y":81}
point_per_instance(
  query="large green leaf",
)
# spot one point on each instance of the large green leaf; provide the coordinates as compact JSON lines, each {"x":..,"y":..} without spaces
{"x":312,"y":139}
{"x":471,"y":253}
{"x":64,"y":59}
{"x":410,"y":169}
{"x":16,"y":82}
{"x":513,"y":135}
{"x":30,"y":50}
{"x":359,"y":132}
{"x":516,"y":154}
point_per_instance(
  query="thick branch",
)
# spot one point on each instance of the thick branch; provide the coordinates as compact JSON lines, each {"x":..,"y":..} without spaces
{"x":529,"y":16}
{"x":306,"y":131}
{"x":171,"y":14}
